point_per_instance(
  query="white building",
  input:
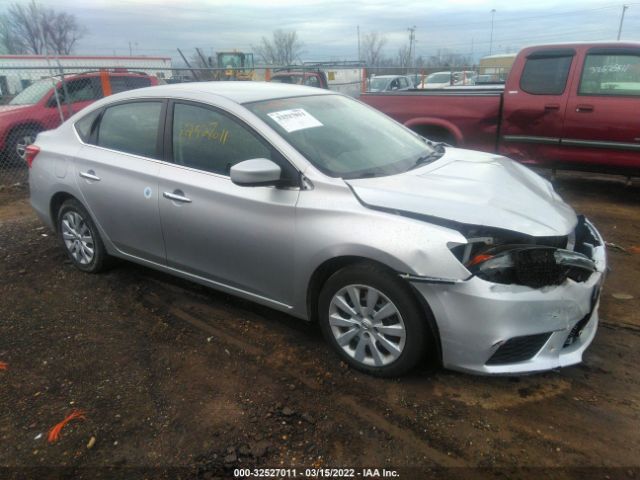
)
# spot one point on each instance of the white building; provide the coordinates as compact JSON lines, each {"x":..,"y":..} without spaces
{"x":19,"y":71}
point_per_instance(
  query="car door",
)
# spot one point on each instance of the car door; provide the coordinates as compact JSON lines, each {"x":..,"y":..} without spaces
{"x":602,"y":126}
{"x":239,"y":237}
{"x":117,"y":173}
{"x":534,"y":108}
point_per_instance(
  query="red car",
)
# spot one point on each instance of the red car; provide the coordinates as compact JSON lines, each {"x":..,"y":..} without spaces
{"x":568,"y":106}
{"x":34,"y":109}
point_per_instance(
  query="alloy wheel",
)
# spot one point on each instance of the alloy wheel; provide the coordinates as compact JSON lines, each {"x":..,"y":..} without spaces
{"x":78,"y":238}
{"x":367,"y":325}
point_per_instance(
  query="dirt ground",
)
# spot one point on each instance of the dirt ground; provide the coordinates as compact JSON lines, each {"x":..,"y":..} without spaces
{"x":177,"y":380}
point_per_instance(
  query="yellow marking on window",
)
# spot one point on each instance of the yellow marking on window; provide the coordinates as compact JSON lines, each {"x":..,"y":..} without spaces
{"x":210,"y":131}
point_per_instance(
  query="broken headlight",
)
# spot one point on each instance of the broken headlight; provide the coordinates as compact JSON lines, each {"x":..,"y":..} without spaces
{"x":532,"y":266}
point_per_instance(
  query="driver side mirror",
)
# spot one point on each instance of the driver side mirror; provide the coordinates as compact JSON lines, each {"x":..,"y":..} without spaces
{"x":257,"y":172}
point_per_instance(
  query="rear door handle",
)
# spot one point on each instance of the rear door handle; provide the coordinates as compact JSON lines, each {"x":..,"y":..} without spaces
{"x":584,"y":108}
{"x":552,"y":106}
{"x":90,"y":175}
{"x":176,"y":196}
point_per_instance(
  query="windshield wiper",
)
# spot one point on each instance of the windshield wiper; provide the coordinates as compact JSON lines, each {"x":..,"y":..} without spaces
{"x":439,"y":146}
{"x":362,"y":175}
{"x":431,"y":157}
{"x":438,"y":151}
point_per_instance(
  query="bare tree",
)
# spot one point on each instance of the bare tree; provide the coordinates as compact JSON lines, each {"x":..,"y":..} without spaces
{"x":61,"y":32}
{"x":284,"y":49}
{"x":32,"y":28}
{"x":371,"y":47}
{"x":447,"y":58}
{"x":8,"y":42}
{"x":404,"y":56}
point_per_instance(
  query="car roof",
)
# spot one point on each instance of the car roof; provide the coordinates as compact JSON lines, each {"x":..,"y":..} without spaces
{"x":389,"y":76}
{"x":236,"y":91}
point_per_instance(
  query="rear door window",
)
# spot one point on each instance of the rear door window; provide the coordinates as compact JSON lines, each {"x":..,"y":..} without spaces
{"x":610,"y":74}
{"x":131,"y":128}
{"x":546,"y":73}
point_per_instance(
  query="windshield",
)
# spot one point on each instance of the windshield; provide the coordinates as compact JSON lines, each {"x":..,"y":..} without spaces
{"x":232,"y":60}
{"x":439,"y":78}
{"x":378,"y":83}
{"x":33,"y":93}
{"x":342,"y":137}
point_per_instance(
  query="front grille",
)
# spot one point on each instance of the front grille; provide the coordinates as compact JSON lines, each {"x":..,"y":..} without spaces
{"x":537,"y":267}
{"x":518,"y":349}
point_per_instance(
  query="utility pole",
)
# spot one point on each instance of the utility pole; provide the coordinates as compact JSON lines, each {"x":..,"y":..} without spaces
{"x":493,"y":14}
{"x":412,"y":39}
{"x":359,"y":55}
{"x":624,"y":9}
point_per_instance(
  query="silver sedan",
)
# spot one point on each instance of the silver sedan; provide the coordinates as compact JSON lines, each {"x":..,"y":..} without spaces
{"x":312,"y":203}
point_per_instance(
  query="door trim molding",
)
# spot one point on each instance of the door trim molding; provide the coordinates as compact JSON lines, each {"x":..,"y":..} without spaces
{"x":600,"y":144}
{"x":531,"y":139}
{"x":571,"y":142}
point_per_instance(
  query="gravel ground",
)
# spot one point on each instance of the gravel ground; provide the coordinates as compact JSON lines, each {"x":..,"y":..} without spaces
{"x":180,"y":381}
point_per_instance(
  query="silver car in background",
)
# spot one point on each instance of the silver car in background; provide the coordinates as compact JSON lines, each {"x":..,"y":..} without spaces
{"x":316,"y":205}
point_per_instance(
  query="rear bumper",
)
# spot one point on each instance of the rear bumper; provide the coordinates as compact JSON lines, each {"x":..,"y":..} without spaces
{"x":475,"y":318}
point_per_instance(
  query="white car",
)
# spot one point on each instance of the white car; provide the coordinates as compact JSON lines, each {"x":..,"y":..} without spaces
{"x":389,"y":83}
{"x":436,"y":80}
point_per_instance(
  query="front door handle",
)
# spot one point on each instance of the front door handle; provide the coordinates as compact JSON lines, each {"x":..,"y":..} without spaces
{"x":90,"y":175}
{"x":552,"y":106}
{"x":584,"y":108}
{"x":176,"y":196}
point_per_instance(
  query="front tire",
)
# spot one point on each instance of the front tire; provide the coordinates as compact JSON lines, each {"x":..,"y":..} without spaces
{"x":80,"y":237}
{"x":372,"y":320}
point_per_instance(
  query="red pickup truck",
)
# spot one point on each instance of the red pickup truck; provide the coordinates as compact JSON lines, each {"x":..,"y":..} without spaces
{"x":573,"y":106}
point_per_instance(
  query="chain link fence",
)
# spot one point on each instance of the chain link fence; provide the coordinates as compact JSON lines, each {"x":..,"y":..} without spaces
{"x":35,"y":99}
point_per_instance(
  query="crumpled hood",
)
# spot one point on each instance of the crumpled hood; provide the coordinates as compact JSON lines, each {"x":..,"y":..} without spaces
{"x":473,"y":188}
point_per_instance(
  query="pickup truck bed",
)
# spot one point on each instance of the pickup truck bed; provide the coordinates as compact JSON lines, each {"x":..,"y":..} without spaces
{"x":571,"y":106}
{"x":466,"y":117}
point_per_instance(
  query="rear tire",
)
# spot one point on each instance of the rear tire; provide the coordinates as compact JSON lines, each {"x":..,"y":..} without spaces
{"x":373,"y":321}
{"x":80,"y":238}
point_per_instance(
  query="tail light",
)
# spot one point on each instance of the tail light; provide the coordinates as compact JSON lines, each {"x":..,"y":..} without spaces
{"x":30,"y":154}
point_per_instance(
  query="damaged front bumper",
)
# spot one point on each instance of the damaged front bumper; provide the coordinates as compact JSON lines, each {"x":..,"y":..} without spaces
{"x":492,"y":328}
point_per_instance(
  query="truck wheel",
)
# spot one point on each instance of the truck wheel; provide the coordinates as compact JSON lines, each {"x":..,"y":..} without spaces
{"x":373,"y":320}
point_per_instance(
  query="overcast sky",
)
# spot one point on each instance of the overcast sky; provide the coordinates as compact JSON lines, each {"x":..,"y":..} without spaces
{"x":328,"y":27}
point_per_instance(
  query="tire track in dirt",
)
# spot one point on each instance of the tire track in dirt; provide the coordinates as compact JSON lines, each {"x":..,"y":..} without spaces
{"x":194,"y":312}
{"x":265,"y":337}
